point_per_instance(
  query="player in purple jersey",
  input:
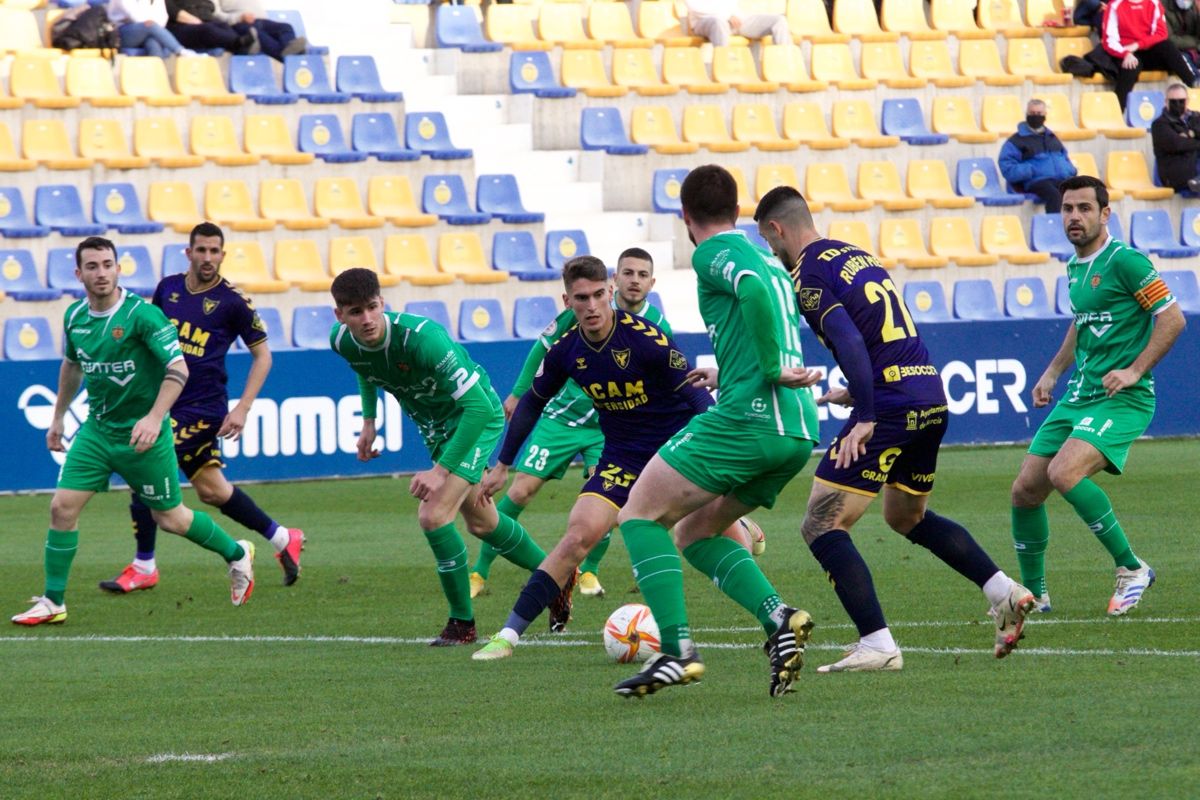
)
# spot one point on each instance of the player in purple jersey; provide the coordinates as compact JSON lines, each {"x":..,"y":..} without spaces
{"x":210,"y":314}
{"x":891,"y":439}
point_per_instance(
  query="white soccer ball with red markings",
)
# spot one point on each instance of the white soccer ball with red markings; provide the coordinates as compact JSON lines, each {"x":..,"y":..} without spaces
{"x":631,"y":634}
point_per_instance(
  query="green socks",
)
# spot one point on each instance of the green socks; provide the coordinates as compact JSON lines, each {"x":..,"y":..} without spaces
{"x":1031,"y":532}
{"x":1094,"y":508}
{"x":659,"y":573}
{"x":592,"y":562}
{"x":487,"y":553}
{"x":735,"y":573}
{"x":209,"y":535}
{"x":451,"y":554}
{"x":60,"y":551}
{"x":512,"y":541}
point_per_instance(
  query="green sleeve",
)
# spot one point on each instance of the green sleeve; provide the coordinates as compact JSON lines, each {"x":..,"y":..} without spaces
{"x":754,"y":303}
{"x":553,"y":332}
{"x":478,"y":409}
{"x":460,"y":381}
{"x":370,"y":397}
{"x":160,"y":336}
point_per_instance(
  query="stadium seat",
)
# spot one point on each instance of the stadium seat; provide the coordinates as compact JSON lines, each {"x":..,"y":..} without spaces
{"x":975,"y":299}
{"x":91,"y":79}
{"x":561,"y":23}
{"x":1061,"y":119}
{"x":1001,"y":113}
{"x":145,"y":77}
{"x":311,"y":326}
{"x":174,"y":259}
{"x":951,"y":237}
{"x":657,"y":20}
{"x":306,"y":76}
{"x":230,"y":204}
{"x":267,"y":136}
{"x":337,"y":199}
{"x":407,"y":256}
{"x":931,"y":60}
{"x":158,"y":139}
{"x":583,"y":71}
{"x":856,"y":232}
{"x":929,"y":181}
{"x":200,"y":77}
{"x":346,"y":252}
{"x":1002,"y":235}
{"x":9,"y":161}
{"x":1046,"y":235}
{"x":531,"y":73}
{"x":172,"y":203}
{"x":19,"y":30}
{"x":246,"y":267}
{"x":1027,"y":58}
{"x":900,"y":240}
{"x":750,"y":229}
{"x":1189,"y":227}
{"x":254,"y":77}
{"x":457,"y":26}
{"x":908,"y":17}
{"x":512,"y":25}
{"x":46,"y":142}
{"x":611,"y":24}
{"x":768,"y":176}
{"x":664,"y":196}
{"x":854,"y":120}
{"x":1062,"y":297}
{"x":809,"y":19}
{"x":116,"y":205}
{"x":1005,"y":16}
{"x":212,"y":136}
{"x":1142,"y":107}
{"x":391,"y":197}
{"x":31,"y":78}
{"x":784,"y":64}
{"x":904,"y":118}
{"x":958,"y":18}
{"x":1114,"y":227}
{"x":1152,"y":232}
{"x":321,"y":135}
{"x":683,"y":67}
{"x":979,"y":178}
{"x":14,"y":218}
{"x":500,"y":196}
{"x":431,"y":309}
{"x":60,"y":208}
{"x":298,"y":262}
{"x":1025,"y":298}
{"x":704,"y":124}
{"x":481,"y":321}
{"x":926,"y":301}
{"x":531,"y":315}
{"x":426,"y":131}
{"x":1182,"y":283}
{"x":358,"y":76}
{"x":1100,"y":112}
{"x":859,"y":19}
{"x":955,"y":116}
{"x":562,"y":246}
{"x":446,"y":196}
{"x":273,"y":322}
{"x":980,"y":59}
{"x":734,"y":65}
{"x":376,"y":135}
{"x":755,"y":123}
{"x":1085,"y":164}
{"x":804,"y":121}
{"x":833,"y":64}
{"x":60,"y":271}
{"x":1039,"y":13}
{"x":104,"y":140}
{"x":654,"y":126}
{"x":879,"y":182}
{"x":602,"y":129}
{"x":282,"y":200}
{"x":634,"y":68}
{"x":19,"y":279}
{"x":745,"y":199}
{"x":137,"y":270}
{"x":293,"y":18}
{"x":29,"y":339}
{"x":881,"y":62}
{"x":461,"y":255}
{"x":516,"y":253}
{"x":1127,"y":171}
{"x":827,"y":184}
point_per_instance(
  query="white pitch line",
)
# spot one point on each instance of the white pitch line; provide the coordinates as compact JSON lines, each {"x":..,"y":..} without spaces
{"x":204,"y":758}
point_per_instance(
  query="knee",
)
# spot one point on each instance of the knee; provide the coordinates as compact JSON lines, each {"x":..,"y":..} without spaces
{"x":579,"y":542}
{"x":522,"y":494}
{"x":1025,"y":495}
{"x":1062,"y":478}
{"x":902,"y":521}
{"x":172,"y":521}
{"x":430,"y":518}
{"x":811,"y":530}
{"x":62,"y":516}
{"x":477,"y":526}
{"x":210,"y":496}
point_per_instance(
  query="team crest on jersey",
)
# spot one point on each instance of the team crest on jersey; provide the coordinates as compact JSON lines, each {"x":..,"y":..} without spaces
{"x":210,"y":305}
{"x":400,"y":365}
{"x":258,"y":324}
{"x":549,"y":329}
{"x":621,"y":357}
{"x":118,"y":333}
{"x":810,"y":299}
{"x":1095,"y":281}
{"x":677,"y":360}
{"x":580,"y":363}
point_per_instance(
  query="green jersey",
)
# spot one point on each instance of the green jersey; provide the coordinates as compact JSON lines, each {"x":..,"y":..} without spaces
{"x":124,"y":353}
{"x":749,"y":308}
{"x":1115,"y":294}
{"x":438,"y":385}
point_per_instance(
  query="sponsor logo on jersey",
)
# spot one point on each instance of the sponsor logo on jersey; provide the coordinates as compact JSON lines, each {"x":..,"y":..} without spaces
{"x":621,"y":357}
{"x":118,"y":332}
{"x":677,"y":360}
{"x":810,"y":299}
{"x":173,"y":297}
{"x":580,"y":363}
{"x":210,"y":305}
{"x":758,"y":405}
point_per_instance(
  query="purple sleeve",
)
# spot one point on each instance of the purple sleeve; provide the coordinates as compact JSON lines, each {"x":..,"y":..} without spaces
{"x":521,"y":425}
{"x":846,"y":341}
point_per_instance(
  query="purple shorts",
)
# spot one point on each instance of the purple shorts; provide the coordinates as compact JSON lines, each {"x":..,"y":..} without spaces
{"x":902,"y":453}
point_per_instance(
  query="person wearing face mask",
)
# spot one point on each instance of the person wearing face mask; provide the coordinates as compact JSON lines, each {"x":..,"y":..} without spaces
{"x":1135,"y":35}
{"x":1033,"y":160}
{"x":1176,"y":137}
{"x":1183,"y":26}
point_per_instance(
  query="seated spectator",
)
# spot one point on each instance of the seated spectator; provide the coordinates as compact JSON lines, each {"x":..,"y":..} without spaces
{"x":1088,"y":12}
{"x":195,"y":25}
{"x":1135,"y":35}
{"x":1176,"y":137}
{"x":1183,"y":29}
{"x":142,"y":23}
{"x":1033,"y":160}
{"x":717,"y":20}
{"x":275,"y":39}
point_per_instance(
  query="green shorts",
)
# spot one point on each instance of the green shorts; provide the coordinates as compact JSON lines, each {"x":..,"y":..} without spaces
{"x":94,"y":457}
{"x":1109,"y":424}
{"x":553,"y":445}
{"x":752,"y":465}
{"x":475,"y":460}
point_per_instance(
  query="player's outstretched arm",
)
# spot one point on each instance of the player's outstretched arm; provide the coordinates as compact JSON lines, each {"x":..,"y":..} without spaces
{"x":147,"y":429}
{"x":1168,"y":324}
{"x":1043,"y":390}
{"x":850,"y":351}
{"x":260,"y":367}
{"x":70,"y":376}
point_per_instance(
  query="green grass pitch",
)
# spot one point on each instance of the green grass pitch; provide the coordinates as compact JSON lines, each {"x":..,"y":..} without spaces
{"x":326,"y":690}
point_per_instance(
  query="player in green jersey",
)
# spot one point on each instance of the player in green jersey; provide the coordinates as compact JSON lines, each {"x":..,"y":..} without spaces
{"x":451,"y":400}
{"x":735,"y":457}
{"x":127,"y":353}
{"x":1125,"y":321}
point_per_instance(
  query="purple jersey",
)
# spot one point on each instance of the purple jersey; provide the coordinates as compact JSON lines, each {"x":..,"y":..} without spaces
{"x":829,"y":274}
{"x":208,"y":323}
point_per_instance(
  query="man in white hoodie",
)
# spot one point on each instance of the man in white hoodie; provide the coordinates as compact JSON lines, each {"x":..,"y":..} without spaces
{"x":717,"y":20}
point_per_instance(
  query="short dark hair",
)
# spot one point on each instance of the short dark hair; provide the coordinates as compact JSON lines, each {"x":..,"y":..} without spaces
{"x":635,"y":252}
{"x":1084,"y":182}
{"x":93,"y":243}
{"x":584,"y":268}
{"x":206,"y":229}
{"x":782,"y":202}
{"x":354,"y":287}
{"x":709,"y":194}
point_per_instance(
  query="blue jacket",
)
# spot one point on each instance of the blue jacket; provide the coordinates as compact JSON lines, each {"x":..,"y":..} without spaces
{"x":1029,"y":156}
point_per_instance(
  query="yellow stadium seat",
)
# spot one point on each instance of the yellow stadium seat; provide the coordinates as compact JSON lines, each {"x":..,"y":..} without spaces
{"x":337,"y":200}
{"x":1078,"y":46}
{"x":1126,"y":170}
{"x":391,"y":197}
{"x":1002,"y":235}
{"x":461,"y":255}
{"x":513,"y":25}
{"x":298,"y":261}
{"x":158,"y":139}
{"x":104,"y":140}
{"x":282,"y":200}
{"x":745,"y":201}
{"x":46,"y":142}
{"x":1061,"y":119}
{"x":634,"y":68}
{"x":145,"y":78}
{"x":407,"y":256}
{"x":809,"y":19}
{"x":347,"y":252}
{"x":1039,"y":12}
{"x":172,"y":203}
{"x":784,"y":64}
{"x":267,"y":136}
{"x":769,"y":176}
{"x":749,"y":7}
{"x":229,"y":203}
{"x":854,"y":120}
{"x":1004,"y":16}
{"x":957,"y":17}
{"x":9,"y":160}
{"x":1001,"y":113}
{"x":828,"y":185}
{"x":653,"y":125}
{"x":755,"y":123}
{"x":611,"y":23}
{"x":562,"y":24}
{"x":857,"y":233}
{"x":28,"y":5}
{"x":584,"y":70}
{"x":1027,"y":58}
{"x":200,"y":77}
{"x":19,"y":31}
{"x":246,"y":267}
{"x":804,"y":121}
{"x":955,"y":116}
{"x":657,"y":20}
{"x":879,"y":182}
{"x":91,"y":79}
{"x":881,"y":61}
{"x":980,"y":59}
{"x":7,"y":101}
{"x":32,"y":78}
{"x":833,"y":63}
{"x":951,"y":238}
{"x":907,"y":17}
{"x":900,"y":241}
{"x":1085,"y":164}
{"x":212,"y":137}
{"x":704,"y":124}
{"x":682,"y":66}
{"x":735,"y":65}
{"x":931,"y":60}
{"x":858,"y":18}
{"x":929,"y":181}
{"x":1100,"y":112}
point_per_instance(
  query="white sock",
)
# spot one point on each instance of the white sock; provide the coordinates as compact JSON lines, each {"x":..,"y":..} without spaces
{"x":510,"y":636}
{"x":997,"y":587}
{"x":279,"y":538}
{"x":144,"y":565}
{"x":880,"y":640}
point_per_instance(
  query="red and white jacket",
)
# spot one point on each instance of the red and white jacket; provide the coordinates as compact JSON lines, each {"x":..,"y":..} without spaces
{"x":1129,"y":22}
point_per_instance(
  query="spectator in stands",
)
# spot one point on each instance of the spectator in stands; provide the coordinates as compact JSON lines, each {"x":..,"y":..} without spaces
{"x":717,"y":20}
{"x":275,"y":39}
{"x":1135,"y":35}
{"x":1183,"y":28}
{"x":1033,"y":160}
{"x":1176,"y":137}
{"x":142,"y":23}
{"x":1088,"y":12}
{"x":194,"y":23}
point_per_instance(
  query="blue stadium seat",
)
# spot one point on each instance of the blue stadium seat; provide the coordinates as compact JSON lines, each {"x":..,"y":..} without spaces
{"x":926,"y":301}
{"x":531,"y":315}
{"x":975,"y":299}
{"x":1142,"y":107}
{"x":515,"y":252}
{"x":174,"y":259}
{"x":562,"y":246}
{"x":602,"y":129}
{"x":307,"y":77}
{"x":457,"y":26}
{"x":446,"y":196}
{"x":1114,"y":227}
{"x":1152,"y":232}
{"x":137,"y":270}
{"x":979,"y":178}
{"x":276,"y":339}
{"x":903,"y":118}
{"x":293,"y":18}
{"x":321,"y":135}
{"x":60,"y":208}
{"x":254,"y":77}
{"x":376,"y":135}
{"x":29,"y":339}
{"x":117,"y":206}
{"x":1062,"y":297}
{"x":359,"y":76}
{"x":1183,"y":284}
{"x":1025,"y":298}
{"x":1046,"y":235}
{"x":531,"y":73}
{"x":426,"y":132}
{"x":60,"y":271}
{"x":432,"y":309}
{"x":19,"y":278}
{"x":311,"y":326}
{"x":500,"y":196}
{"x":481,"y":321}
{"x":664,"y":197}
{"x":1189,"y":227}
{"x":656,"y":300}
{"x":751,"y":231}
{"x":14,"y":219}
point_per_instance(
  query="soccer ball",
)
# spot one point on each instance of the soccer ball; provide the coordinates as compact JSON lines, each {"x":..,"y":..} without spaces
{"x":631,"y":634}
